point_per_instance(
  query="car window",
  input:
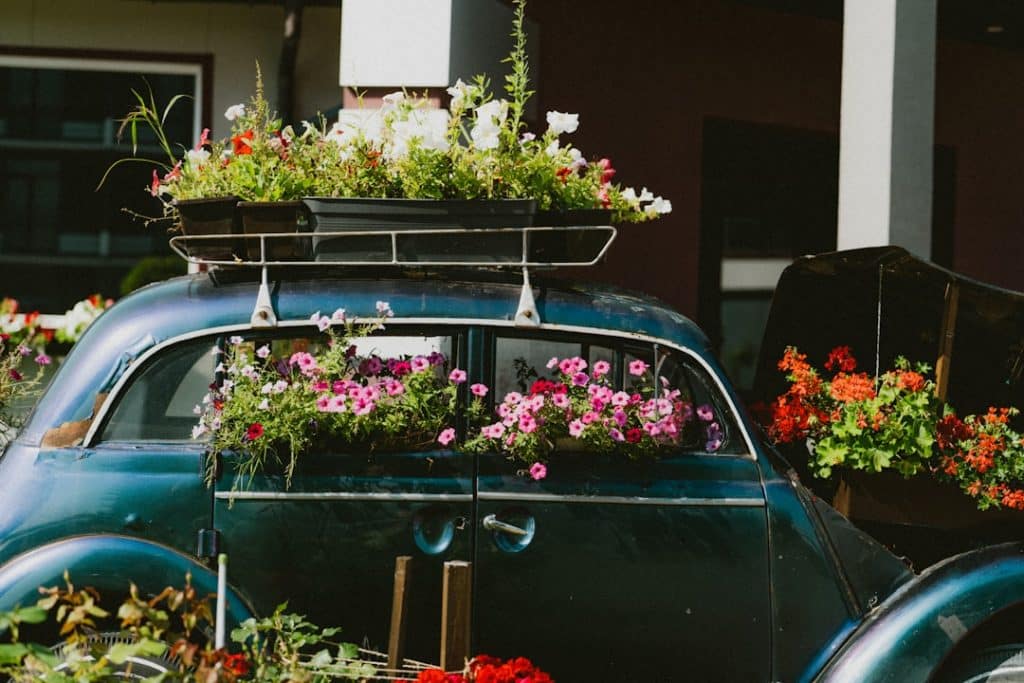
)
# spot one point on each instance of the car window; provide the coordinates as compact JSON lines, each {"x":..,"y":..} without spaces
{"x":159,"y":403}
{"x":519,"y":360}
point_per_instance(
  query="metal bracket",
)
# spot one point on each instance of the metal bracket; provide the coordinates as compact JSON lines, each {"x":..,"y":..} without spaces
{"x":526,"y":314}
{"x":263,"y":315}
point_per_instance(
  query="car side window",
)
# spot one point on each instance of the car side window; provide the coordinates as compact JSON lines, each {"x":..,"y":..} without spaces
{"x":159,"y":403}
{"x":520,"y":360}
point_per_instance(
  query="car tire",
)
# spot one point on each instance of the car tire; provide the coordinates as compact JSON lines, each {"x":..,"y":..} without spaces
{"x":998,"y":664}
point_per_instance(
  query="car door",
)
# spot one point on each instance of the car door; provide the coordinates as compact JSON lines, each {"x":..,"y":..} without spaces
{"x":328,"y":542}
{"x":140,"y":473}
{"x":611,"y":569}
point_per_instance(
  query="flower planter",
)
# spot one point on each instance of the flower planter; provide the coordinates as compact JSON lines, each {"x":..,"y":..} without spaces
{"x":385,"y":215}
{"x":213,"y":216}
{"x":275,"y":217}
{"x":568,"y":245}
{"x":921,"y":500}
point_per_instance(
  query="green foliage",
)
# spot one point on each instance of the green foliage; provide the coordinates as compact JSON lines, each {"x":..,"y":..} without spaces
{"x":152,"y":269}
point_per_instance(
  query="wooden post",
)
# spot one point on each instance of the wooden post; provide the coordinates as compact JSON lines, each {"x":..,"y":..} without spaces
{"x":456,"y":608}
{"x":946,"y":334}
{"x":399,"y":612}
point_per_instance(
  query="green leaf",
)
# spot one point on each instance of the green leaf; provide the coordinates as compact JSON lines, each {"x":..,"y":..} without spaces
{"x":12,"y":653}
{"x":320,"y":659}
{"x":31,"y":615}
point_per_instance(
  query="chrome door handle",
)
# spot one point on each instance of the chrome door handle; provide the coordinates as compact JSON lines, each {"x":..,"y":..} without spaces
{"x":492,"y":523}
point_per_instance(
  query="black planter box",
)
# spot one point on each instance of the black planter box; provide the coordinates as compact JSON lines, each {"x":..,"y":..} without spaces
{"x":275,"y":217}
{"x":213,"y":216}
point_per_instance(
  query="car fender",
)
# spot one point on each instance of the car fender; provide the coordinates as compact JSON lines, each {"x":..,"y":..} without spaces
{"x":909,"y":635}
{"x":110,"y":564}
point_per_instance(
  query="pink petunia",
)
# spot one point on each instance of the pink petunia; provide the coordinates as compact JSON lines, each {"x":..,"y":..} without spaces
{"x":576,"y":429}
{"x":638,"y":367}
{"x":479,"y":390}
{"x":457,"y":376}
{"x":601,"y":368}
{"x":538,"y":471}
{"x":394,"y":388}
{"x":580,"y":379}
{"x":446,"y":436}
{"x":420,"y":363}
{"x":527,"y":424}
{"x":560,"y":400}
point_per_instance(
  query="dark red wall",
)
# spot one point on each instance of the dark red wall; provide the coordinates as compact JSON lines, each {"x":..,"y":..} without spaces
{"x":644,"y":75}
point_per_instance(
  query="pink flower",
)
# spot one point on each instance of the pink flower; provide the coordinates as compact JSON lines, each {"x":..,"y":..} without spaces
{"x":620,"y":398}
{"x":616,"y":434}
{"x":322,"y":322}
{"x":580,"y":379}
{"x":446,"y":436}
{"x":538,"y":471}
{"x":560,"y":400}
{"x":620,"y":417}
{"x":263,"y":351}
{"x":494,"y":431}
{"x":322,"y":401}
{"x":43,"y":359}
{"x":479,"y":390}
{"x":306,"y":362}
{"x":553,"y":362}
{"x":363,"y":407}
{"x":338,"y":316}
{"x":590,"y":416}
{"x":638,"y":367}
{"x":394,"y":388}
{"x":384,"y":309}
{"x":513,"y":397}
{"x":652,"y":428}
{"x":597,"y":404}
{"x":576,"y":429}
{"x":457,"y":376}
{"x":601,"y":368}
{"x":527,"y":424}
{"x":419,"y":364}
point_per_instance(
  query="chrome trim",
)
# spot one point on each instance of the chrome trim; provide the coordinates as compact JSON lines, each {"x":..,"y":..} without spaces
{"x":344,"y":495}
{"x":113,"y":395}
{"x":622,"y":500}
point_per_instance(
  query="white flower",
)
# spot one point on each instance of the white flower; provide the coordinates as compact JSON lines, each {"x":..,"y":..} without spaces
{"x":215,"y":424}
{"x":577,"y":158}
{"x":197,"y":157}
{"x":459,"y":92}
{"x":235,"y":340}
{"x":552,"y":149}
{"x":527,"y":137}
{"x":392,"y":100}
{"x":338,"y":316}
{"x":559,"y":122}
{"x":342,"y":135}
{"x":198,"y":430}
{"x":485,"y":137}
{"x":279,"y":386}
{"x":384,"y":309}
{"x":198,"y":410}
{"x":645,"y":195}
{"x":263,"y":351}
{"x":493,"y":113}
{"x":629,"y":194}
{"x":288,"y":133}
{"x":234,"y":111}
{"x":660,"y":205}
{"x":226,"y":387}
{"x":267,"y":388}
{"x":264,"y":404}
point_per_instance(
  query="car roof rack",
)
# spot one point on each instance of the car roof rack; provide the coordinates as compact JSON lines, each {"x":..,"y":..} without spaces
{"x":503,"y":247}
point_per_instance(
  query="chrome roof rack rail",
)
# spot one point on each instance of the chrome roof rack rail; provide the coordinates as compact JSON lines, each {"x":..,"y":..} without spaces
{"x":514,"y":247}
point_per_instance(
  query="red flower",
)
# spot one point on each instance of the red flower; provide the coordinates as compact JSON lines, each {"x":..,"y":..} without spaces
{"x":203,"y":139}
{"x":431,"y":676}
{"x":241,"y":143}
{"x":634,"y":435}
{"x":950,"y":431}
{"x":850,"y":388}
{"x":607,"y":172}
{"x":154,"y":187}
{"x":236,"y":664}
{"x":15,"y":375}
{"x":254,"y":432}
{"x":910,"y":380}
{"x":564,"y":173}
{"x":841,"y":359}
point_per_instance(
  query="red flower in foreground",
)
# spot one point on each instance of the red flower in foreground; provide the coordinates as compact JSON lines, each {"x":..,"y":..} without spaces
{"x":849,"y":388}
{"x":241,"y":143}
{"x":255,"y":431}
{"x":950,"y":431}
{"x":236,"y":664}
{"x":910,"y":380}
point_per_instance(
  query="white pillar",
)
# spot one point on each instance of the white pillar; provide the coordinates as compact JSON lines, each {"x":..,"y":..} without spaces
{"x":887,"y":124}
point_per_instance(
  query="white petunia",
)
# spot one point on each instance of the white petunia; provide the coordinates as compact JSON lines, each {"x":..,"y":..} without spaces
{"x":234,"y":111}
{"x":459,"y":93}
{"x":392,"y":100}
{"x":264,"y":404}
{"x":645,"y":195}
{"x":197,"y":157}
{"x":559,"y":122}
{"x":659,"y":205}
{"x":198,"y":430}
{"x":552,"y":149}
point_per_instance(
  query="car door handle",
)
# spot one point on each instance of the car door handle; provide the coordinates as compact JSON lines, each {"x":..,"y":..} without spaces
{"x":492,"y":523}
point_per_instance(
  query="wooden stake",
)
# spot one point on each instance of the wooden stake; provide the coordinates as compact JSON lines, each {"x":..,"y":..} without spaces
{"x":456,"y":608}
{"x":946,"y":334}
{"x":399,"y":612}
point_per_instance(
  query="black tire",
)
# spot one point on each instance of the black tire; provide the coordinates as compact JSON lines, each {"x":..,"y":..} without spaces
{"x":998,"y":664}
{"x":135,"y":668}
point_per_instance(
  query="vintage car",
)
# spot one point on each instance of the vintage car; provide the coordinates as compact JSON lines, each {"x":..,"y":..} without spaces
{"x":697,"y":565}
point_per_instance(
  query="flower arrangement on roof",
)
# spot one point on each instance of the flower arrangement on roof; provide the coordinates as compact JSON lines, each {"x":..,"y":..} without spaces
{"x":896,"y":422}
{"x":479,"y":149}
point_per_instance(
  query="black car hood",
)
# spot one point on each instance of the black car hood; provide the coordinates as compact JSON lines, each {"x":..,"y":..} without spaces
{"x":883,"y":303}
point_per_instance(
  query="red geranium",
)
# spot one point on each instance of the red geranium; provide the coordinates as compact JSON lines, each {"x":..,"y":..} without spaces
{"x":241,"y":143}
{"x":237,"y":664}
{"x":254,"y":432}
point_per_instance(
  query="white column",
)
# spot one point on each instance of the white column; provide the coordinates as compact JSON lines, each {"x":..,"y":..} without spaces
{"x":887,"y":124}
